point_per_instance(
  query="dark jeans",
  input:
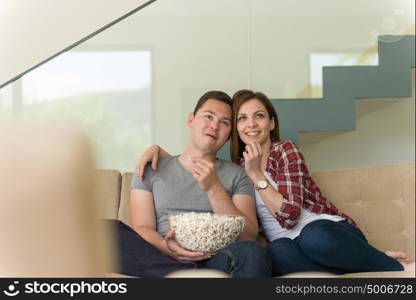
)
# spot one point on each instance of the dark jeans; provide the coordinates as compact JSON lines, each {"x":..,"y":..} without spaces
{"x":328,"y":246}
{"x":137,"y":257}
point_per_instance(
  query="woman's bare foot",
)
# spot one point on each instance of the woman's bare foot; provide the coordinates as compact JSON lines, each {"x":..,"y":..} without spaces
{"x":409,"y":266}
{"x":399,"y":256}
{"x":402,"y":258}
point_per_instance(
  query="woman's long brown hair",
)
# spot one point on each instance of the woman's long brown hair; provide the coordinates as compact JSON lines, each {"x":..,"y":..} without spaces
{"x":239,"y":98}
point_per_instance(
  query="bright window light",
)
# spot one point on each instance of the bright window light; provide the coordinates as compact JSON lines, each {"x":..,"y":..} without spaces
{"x":106,"y":93}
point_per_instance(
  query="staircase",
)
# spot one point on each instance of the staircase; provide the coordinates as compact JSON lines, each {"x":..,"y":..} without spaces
{"x":336,"y":111}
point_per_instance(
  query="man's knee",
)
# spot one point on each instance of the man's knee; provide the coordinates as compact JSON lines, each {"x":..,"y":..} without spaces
{"x":249,"y":249}
{"x":280,"y":248}
{"x":248,"y":246}
{"x":251,"y":259}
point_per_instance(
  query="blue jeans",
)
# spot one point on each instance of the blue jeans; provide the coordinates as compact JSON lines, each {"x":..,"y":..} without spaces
{"x":243,"y":259}
{"x":328,"y":246}
{"x":137,"y":257}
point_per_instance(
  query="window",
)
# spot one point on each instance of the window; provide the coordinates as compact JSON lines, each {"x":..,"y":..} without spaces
{"x":318,"y":60}
{"x":105,"y":93}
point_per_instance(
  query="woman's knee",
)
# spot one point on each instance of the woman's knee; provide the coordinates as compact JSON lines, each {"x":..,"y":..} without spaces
{"x":316,"y":229}
{"x":318,"y":236}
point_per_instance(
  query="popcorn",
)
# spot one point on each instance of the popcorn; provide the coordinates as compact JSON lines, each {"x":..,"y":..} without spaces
{"x":206,"y":232}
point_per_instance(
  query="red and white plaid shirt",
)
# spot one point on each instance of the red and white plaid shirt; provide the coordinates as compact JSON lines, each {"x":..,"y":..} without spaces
{"x":286,"y":166}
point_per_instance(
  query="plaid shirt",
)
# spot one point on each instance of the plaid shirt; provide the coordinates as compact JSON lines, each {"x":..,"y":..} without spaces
{"x":287,"y":167}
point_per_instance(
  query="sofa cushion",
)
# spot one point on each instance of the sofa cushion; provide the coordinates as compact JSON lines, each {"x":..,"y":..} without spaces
{"x":108,"y":184}
{"x":124,"y":211}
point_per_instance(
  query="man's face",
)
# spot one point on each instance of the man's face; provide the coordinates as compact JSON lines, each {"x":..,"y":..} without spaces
{"x":210,"y":126}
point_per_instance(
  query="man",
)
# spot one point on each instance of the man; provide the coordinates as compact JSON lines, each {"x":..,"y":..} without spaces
{"x":193,"y":181}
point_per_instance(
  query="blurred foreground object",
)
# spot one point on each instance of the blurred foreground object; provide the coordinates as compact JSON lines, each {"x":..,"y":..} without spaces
{"x":49,"y":212}
{"x":198,"y":273}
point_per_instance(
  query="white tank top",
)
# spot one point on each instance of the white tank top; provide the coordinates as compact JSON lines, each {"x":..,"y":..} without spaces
{"x":271,"y":226}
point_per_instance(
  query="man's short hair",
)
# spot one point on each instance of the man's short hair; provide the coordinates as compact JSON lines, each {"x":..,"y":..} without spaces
{"x":216,"y":95}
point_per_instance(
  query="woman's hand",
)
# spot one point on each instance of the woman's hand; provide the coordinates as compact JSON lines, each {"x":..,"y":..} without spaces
{"x":252,"y":157}
{"x":174,"y":250}
{"x":150,"y":155}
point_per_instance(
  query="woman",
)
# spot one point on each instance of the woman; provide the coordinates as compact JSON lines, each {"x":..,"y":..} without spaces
{"x":306,"y":232}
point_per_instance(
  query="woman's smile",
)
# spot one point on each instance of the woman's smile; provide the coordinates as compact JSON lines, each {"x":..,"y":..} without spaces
{"x":253,"y":122}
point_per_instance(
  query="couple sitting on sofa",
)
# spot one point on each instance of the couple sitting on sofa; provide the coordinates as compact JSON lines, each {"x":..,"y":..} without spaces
{"x":306,"y":232}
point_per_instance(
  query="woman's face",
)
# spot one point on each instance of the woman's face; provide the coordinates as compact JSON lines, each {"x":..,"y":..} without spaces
{"x":253,"y":122}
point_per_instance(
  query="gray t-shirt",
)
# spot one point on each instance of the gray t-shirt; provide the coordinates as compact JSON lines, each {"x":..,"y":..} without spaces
{"x":175,"y":190}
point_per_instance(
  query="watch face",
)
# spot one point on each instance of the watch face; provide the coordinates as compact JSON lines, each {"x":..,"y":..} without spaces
{"x":262,"y":184}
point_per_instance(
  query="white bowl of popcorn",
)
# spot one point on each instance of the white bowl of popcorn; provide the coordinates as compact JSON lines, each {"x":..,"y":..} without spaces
{"x":205,"y":232}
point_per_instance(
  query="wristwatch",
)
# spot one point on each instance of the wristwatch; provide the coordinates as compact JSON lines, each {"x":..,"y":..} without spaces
{"x":262,"y":184}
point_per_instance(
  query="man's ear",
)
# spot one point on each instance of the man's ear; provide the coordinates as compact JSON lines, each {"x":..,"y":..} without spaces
{"x":191,"y":118}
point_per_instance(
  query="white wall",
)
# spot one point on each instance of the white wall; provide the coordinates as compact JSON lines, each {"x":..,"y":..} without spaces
{"x":385,"y":136}
{"x":32,"y":31}
{"x":265,"y":45}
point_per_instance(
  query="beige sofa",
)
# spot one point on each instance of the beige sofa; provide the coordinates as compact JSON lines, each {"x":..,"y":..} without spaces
{"x":381,"y":199}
